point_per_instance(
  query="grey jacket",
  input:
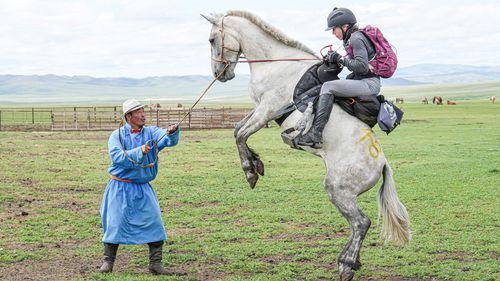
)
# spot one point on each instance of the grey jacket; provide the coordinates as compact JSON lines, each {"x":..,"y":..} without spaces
{"x":363,"y":51}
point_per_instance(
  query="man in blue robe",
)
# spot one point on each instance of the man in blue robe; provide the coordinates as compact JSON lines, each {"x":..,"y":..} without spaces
{"x":130,"y":210}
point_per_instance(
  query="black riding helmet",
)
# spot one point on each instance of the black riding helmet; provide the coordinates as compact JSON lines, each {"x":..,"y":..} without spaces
{"x":339,"y":17}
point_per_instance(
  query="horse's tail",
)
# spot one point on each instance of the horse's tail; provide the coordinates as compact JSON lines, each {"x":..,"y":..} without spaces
{"x":396,"y":220}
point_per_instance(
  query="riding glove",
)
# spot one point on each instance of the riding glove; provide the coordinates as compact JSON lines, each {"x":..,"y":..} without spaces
{"x":332,"y":57}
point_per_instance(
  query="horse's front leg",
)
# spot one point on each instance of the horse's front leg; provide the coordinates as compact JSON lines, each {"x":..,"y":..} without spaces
{"x":242,"y":122}
{"x":250,"y":162}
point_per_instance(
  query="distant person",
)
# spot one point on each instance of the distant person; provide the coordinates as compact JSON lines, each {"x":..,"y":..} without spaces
{"x":130,"y":210}
{"x":361,"y":82}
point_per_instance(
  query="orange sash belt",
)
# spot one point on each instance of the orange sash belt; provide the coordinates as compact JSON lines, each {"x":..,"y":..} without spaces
{"x":118,"y":179}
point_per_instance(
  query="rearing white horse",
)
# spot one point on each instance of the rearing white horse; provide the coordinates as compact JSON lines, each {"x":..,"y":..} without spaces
{"x":351,"y":152}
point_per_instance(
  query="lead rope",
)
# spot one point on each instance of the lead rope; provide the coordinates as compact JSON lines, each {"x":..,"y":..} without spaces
{"x":155,"y":143}
{"x":203,"y":94}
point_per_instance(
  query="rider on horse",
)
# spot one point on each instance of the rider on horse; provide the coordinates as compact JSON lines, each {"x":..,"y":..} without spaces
{"x":362,"y":81}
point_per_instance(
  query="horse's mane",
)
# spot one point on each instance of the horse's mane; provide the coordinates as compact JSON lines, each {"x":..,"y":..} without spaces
{"x":271,"y":30}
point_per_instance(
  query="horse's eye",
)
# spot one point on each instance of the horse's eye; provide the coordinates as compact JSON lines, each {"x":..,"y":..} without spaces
{"x":211,"y":40}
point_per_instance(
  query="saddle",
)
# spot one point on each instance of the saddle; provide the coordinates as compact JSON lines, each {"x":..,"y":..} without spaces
{"x":307,"y":90}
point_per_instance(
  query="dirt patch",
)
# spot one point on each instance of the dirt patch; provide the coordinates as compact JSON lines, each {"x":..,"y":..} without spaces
{"x":57,"y":267}
{"x":216,"y":216}
{"x":20,"y":208}
{"x":328,"y":266}
{"x":459,"y":256}
{"x":276,"y":259}
{"x":25,"y":128}
{"x":180,"y":232}
{"x":27,"y":207}
{"x":402,"y":278}
{"x":55,"y":170}
{"x":67,"y":190}
{"x":73,"y":205}
{"x":296,"y":236}
{"x":87,"y":136}
{"x":243,"y":223}
{"x":495,"y":255}
{"x":299,"y":237}
{"x":63,"y":264}
{"x":27,"y":182}
{"x":178,"y":204}
{"x":200,"y":271}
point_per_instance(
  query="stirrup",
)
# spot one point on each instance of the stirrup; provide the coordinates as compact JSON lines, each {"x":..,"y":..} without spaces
{"x":313,"y":144}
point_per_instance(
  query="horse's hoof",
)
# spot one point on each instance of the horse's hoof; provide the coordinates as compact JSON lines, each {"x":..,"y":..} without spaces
{"x":346,"y":273}
{"x":252,"y":179}
{"x":259,"y":166}
{"x":347,"y":276}
{"x":357,"y":265}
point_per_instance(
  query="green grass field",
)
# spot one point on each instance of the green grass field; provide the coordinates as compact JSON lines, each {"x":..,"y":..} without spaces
{"x":446,"y":161}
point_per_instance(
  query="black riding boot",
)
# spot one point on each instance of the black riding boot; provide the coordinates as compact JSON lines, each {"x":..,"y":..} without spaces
{"x":108,"y":258}
{"x":155,"y":257}
{"x":313,"y":138}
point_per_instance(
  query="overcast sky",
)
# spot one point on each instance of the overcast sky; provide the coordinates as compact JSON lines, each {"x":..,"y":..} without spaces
{"x":126,"y":38}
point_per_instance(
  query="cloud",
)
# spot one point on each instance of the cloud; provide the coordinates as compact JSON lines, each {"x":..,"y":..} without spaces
{"x":149,"y":38}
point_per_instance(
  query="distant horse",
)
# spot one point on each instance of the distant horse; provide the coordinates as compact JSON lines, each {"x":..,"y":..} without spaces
{"x":424,"y":100}
{"x":400,"y":100}
{"x":493,"y":99}
{"x":437,"y":100}
{"x":451,"y":102}
{"x":391,"y":99}
{"x":155,"y":106}
{"x":352,"y":154}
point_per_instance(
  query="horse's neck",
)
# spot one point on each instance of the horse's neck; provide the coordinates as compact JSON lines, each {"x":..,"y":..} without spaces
{"x":256,"y":44}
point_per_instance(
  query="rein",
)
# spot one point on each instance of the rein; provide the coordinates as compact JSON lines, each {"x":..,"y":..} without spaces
{"x":272,"y":60}
{"x":222,"y":59}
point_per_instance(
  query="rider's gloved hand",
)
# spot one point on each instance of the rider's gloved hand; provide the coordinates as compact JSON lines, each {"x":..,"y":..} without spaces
{"x":332,"y":58}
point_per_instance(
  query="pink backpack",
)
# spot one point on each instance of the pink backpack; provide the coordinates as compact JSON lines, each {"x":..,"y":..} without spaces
{"x":385,"y":61}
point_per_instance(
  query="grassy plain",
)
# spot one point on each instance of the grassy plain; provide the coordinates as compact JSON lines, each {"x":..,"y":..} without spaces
{"x":446,"y":161}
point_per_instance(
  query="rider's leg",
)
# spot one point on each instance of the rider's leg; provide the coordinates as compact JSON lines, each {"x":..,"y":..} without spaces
{"x":338,"y":88}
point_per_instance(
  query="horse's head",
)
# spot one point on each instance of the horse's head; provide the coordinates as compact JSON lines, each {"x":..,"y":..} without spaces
{"x":226,"y":49}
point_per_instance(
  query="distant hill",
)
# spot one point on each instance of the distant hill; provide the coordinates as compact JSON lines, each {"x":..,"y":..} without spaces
{"x":448,"y":73}
{"x":53,"y":89}
{"x":85,"y":89}
{"x":457,"y":91}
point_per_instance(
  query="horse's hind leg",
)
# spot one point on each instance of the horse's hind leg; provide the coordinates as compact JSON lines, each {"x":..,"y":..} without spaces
{"x":346,"y":203}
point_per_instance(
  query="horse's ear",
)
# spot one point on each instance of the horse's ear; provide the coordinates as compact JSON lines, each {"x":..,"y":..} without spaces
{"x":210,"y":19}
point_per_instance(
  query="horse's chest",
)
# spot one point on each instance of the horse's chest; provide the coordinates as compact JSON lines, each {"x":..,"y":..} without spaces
{"x":272,"y":85}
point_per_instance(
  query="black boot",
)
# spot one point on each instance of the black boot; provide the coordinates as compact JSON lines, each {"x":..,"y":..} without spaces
{"x":313,"y":138}
{"x":108,"y":258}
{"x":155,"y":257}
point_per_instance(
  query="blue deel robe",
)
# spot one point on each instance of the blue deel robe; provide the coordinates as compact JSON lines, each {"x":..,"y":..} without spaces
{"x":130,"y":211}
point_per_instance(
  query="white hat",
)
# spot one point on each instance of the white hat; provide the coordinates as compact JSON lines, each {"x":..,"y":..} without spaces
{"x":131,"y":105}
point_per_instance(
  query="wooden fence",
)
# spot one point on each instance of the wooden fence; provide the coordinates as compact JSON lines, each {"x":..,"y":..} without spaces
{"x":204,"y":118}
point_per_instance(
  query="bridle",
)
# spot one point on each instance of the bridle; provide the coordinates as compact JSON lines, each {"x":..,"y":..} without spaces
{"x":222,"y":59}
{"x":223,"y":47}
